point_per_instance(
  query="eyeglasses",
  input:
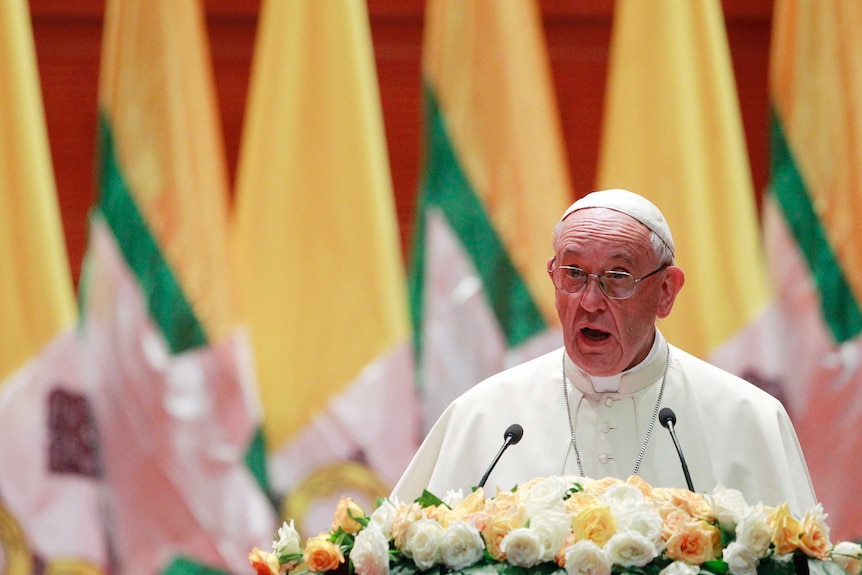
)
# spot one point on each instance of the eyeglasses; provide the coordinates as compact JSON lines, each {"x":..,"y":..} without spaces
{"x":614,"y":284}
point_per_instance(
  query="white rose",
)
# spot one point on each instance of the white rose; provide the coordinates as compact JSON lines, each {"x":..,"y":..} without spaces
{"x":586,"y":558}
{"x":422,"y":542}
{"x":383,"y":516}
{"x":288,"y":540}
{"x":740,"y":559}
{"x":646,"y":521}
{"x":728,"y":506}
{"x":551,"y":527}
{"x":453,"y":498}
{"x":753,"y":531}
{"x":849,"y":556}
{"x":462,"y":545}
{"x":622,"y":495}
{"x":544,"y":495}
{"x":680,"y":568}
{"x":630,"y":549}
{"x":370,"y":554}
{"x":522,"y":547}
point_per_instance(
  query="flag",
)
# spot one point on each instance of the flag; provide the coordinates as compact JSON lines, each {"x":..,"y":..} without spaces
{"x":175,"y":404}
{"x":494,"y":183}
{"x":673,"y":132}
{"x":812,"y":211}
{"x":319,"y":266}
{"x":49,"y":484}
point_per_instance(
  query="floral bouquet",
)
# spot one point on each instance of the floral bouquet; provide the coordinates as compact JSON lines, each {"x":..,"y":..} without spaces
{"x":567,"y":526}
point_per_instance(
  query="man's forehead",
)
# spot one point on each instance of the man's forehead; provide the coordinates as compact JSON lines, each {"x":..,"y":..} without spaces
{"x":630,"y":204}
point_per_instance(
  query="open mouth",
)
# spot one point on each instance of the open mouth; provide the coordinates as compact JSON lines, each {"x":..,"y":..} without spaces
{"x":595,"y":334}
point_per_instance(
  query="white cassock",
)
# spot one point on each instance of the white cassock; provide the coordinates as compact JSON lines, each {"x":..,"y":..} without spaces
{"x":731,"y":433}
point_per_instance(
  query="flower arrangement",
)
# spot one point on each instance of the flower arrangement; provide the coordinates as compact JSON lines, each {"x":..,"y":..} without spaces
{"x":567,"y":526}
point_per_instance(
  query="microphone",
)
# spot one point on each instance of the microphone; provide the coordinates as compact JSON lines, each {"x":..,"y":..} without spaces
{"x":668,"y":419}
{"x":513,"y":435}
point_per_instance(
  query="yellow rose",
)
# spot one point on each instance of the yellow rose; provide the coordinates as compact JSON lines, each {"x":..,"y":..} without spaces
{"x":502,"y":503}
{"x":264,"y":563}
{"x":344,"y":516}
{"x":814,"y":541}
{"x":578,"y":501}
{"x":594,"y":522}
{"x":496,"y":527}
{"x":694,"y":542}
{"x":322,"y":555}
{"x":469,"y":506}
{"x":786,"y":530}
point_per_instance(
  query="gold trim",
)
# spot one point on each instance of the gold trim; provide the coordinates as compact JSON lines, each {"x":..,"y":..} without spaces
{"x":332,"y":480}
{"x":71,"y":567}
{"x":19,"y":561}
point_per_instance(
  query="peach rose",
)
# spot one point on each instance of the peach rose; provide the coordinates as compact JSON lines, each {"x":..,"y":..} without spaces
{"x":695,"y":504}
{"x":404,"y":516}
{"x":814,"y":541}
{"x":786,"y":530}
{"x":672,"y":519}
{"x":321,"y":554}
{"x":264,"y":563}
{"x":599,"y":486}
{"x":640,"y":483}
{"x":496,"y":527}
{"x":345,"y":515}
{"x":694,"y":542}
{"x":473,"y":503}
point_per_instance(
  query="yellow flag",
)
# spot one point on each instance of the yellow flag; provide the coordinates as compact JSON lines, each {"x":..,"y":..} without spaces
{"x":50,"y":495}
{"x":673,"y":133}
{"x":36,"y":295}
{"x":318,"y":256}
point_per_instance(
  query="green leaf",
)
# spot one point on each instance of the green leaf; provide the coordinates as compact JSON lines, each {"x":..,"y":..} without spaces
{"x":716,"y":566}
{"x":428,"y":499}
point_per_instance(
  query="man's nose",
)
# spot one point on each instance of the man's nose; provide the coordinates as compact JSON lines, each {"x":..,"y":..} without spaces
{"x":592,"y":296}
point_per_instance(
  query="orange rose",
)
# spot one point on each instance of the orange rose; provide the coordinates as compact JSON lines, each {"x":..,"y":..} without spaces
{"x":264,"y":563}
{"x":322,"y":555}
{"x":694,"y":542}
{"x":560,"y":557}
{"x":814,"y":541}
{"x":344,"y":516}
{"x":786,"y":530}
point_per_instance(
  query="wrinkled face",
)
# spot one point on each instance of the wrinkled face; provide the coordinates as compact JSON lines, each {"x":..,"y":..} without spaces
{"x":604,"y":336}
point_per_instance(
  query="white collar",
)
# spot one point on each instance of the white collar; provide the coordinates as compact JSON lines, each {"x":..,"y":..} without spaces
{"x":629,"y":381}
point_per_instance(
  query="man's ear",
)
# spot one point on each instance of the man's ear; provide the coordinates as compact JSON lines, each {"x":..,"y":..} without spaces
{"x":674,"y":278}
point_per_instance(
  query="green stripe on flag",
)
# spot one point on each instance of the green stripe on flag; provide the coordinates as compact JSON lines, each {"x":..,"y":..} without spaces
{"x":839,"y":307}
{"x":167,"y":303}
{"x":445,"y":186}
{"x":188,"y":566}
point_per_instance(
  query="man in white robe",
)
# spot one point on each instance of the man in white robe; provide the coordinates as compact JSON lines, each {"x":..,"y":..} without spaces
{"x":614,"y":276}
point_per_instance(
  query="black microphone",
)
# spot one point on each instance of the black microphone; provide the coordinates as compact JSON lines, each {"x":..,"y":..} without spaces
{"x":513,"y":435}
{"x":668,"y":419}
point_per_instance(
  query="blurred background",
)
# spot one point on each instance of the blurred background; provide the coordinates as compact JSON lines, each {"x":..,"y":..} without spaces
{"x":250,"y":250}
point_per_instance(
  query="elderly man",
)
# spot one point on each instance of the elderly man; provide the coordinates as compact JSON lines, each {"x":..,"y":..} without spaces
{"x":592,"y":408}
